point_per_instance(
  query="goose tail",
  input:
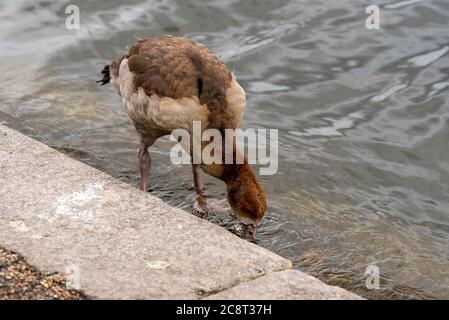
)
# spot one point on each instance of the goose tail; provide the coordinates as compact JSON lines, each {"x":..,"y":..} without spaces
{"x":106,"y":76}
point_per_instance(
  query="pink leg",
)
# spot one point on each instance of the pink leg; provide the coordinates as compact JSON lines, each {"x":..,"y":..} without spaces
{"x":144,"y":168}
{"x":198,"y":184}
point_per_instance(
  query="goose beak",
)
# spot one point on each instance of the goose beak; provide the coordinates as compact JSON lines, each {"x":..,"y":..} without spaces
{"x":249,"y":232}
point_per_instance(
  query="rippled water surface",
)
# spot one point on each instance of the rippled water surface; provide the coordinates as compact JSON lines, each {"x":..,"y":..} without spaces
{"x":362,"y":116}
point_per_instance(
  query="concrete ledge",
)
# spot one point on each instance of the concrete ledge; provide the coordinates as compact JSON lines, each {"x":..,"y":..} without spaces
{"x":127,"y":244}
{"x":285,"y":285}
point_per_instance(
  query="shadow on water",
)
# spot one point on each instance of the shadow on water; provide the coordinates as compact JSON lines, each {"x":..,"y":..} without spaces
{"x":362,"y":118}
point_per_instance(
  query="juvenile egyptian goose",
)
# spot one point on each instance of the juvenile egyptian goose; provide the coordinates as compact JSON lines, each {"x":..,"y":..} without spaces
{"x":168,"y":82}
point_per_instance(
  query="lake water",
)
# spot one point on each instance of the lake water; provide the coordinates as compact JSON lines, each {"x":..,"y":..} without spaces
{"x":363,"y":119}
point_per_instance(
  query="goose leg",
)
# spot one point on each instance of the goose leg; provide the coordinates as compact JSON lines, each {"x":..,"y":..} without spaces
{"x":144,"y":168}
{"x":200,"y":203}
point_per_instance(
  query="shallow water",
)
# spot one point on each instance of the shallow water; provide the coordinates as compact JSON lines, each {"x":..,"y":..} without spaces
{"x":362,"y":116}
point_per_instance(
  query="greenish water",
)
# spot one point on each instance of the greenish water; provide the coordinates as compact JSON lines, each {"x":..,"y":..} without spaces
{"x":362,"y":116}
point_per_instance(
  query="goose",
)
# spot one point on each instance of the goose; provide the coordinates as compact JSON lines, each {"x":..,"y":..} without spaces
{"x":167,"y":83}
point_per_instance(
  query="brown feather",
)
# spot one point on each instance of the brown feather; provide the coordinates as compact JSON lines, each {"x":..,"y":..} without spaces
{"x":177,"y":67}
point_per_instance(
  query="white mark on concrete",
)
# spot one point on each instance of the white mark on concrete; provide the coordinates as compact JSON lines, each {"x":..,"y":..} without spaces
{"x":19,"y":226}
{"x":78,"y":197}
{"x":72,"y":273}
{"x":158,"y":264}
{"x":74,"y":204}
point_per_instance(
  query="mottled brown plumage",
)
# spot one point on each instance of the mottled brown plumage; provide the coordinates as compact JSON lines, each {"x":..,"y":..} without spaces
{"x":177,"y":67}
{"x":168,"y":82}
